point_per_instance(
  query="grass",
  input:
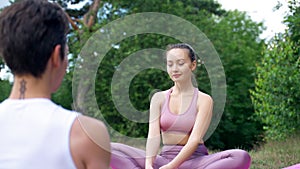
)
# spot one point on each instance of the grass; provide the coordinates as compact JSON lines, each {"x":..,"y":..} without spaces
{"x":277,"y":154}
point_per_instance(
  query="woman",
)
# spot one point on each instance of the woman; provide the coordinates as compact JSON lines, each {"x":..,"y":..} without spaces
{"x":181,"y":117}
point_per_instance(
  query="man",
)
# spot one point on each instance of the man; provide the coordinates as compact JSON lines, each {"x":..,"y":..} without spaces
{"x":35,"y":132}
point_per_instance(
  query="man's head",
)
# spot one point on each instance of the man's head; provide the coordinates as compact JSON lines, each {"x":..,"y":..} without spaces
{"x":29,"y":32}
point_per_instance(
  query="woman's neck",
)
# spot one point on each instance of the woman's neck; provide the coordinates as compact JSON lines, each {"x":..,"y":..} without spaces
{"x":183,"y":88}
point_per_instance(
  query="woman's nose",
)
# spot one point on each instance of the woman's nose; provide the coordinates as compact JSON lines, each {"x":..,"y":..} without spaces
{"x":175,"y":68}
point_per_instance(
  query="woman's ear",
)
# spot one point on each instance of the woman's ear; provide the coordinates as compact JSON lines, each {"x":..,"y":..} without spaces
{"x":193,"y":65}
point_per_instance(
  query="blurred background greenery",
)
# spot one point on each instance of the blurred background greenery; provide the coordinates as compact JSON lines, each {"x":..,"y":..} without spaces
{"x":263,"y":77}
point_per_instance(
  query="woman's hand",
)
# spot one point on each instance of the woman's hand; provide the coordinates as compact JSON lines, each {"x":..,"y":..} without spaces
{"x":149,"y":167}
{"x":167,"y":166}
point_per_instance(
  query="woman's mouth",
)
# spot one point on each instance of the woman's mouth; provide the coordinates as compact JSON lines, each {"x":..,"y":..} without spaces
{"x":176,"y":76}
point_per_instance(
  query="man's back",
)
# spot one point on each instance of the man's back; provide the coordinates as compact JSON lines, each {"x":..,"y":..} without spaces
{"x":35,"y":133}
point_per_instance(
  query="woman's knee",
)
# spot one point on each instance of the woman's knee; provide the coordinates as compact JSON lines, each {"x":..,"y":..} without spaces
{"x":243,"y":157}
{"x":117,"y":146}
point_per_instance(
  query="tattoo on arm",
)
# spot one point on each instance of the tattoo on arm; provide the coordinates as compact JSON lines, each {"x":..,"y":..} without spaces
{"x":22,"y":89}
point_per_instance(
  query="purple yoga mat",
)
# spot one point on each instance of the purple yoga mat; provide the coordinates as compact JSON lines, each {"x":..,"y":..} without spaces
{"x":296,"y":166}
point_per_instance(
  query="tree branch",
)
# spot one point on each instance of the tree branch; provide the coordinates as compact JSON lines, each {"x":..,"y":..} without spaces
{"x":73,"y":24}
{"x":91,"y":16}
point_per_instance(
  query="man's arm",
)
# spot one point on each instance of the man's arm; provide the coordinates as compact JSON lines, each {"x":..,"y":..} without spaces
{"x":90,"y":144}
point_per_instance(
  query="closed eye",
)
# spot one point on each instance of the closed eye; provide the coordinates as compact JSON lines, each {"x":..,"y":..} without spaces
{"x":181,"y":62}
{"x":169,"y":64}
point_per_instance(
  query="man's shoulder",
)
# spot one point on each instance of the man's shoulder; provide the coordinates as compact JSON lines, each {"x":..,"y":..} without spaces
{"x":89,"y":124}
{"x":89,"y":139}
{"x":90,"y":131}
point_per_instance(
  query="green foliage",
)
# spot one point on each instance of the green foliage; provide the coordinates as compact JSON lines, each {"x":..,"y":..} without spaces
{"x":292,"y":20}
{"x":234,"y":36}
{"x":5,"y":88}
{"x":64,"y":95}
{"x":276,"y":91}
{"x":140,"y":87}
{"x":276,"y":95}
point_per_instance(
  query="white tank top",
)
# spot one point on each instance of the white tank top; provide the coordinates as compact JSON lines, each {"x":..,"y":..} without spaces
{"x":35,"y":134}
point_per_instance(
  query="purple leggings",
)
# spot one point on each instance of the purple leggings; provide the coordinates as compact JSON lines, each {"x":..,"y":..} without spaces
{"x":126,"y":157}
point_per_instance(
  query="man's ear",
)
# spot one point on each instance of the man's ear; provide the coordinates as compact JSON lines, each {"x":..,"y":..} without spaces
{"x":55,"y":56}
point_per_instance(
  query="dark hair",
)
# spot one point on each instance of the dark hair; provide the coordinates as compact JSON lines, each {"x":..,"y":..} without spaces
{"x":29,"y":31}
{"x":191,"y":51}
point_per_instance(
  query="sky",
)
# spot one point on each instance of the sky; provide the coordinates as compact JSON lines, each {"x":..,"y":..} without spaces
{"x":261,"y":11}
{"x":258,"y":10}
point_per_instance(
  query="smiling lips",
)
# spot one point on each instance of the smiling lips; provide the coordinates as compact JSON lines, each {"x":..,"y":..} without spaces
{"x":176,"y":75}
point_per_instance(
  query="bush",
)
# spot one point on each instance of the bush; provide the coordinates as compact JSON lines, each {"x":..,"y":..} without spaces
{"x":277,"y":92}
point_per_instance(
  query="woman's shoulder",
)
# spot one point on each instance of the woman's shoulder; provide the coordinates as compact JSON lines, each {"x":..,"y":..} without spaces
{"x":204,"y":97}
{"x":159,"y":96}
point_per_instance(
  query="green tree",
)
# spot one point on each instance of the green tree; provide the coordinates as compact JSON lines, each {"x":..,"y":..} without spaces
{"x":78,"y":37}
{"x":233,"y":34}
{"x":292,"y":20}
{"x":277,"y":93}
{"x":5,"y":88}
{"x":5,"y":85}
{"x":236,"y":38}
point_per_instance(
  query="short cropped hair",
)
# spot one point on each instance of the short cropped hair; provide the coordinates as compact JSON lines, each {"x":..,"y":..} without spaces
{"x":29,"y":32}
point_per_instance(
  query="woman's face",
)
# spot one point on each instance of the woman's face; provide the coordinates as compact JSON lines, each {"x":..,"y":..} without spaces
{"x":179,"y":65}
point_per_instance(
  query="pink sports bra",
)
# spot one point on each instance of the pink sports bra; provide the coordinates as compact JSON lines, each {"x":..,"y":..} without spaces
{"x":178,"y":122}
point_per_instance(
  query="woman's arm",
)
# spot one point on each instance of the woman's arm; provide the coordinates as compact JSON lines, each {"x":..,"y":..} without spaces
{"x":153,"y":140}
{"x":205,"y":106}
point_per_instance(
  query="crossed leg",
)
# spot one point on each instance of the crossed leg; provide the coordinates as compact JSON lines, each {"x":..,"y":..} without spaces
{"x":127,"y":157}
